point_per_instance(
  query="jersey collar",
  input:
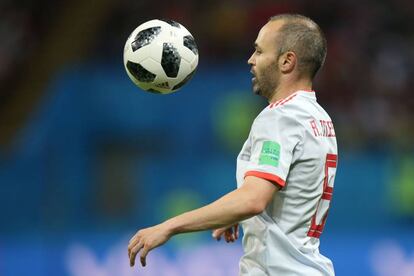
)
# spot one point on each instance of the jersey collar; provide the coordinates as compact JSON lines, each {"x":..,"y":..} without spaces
{"x":310,"y":93}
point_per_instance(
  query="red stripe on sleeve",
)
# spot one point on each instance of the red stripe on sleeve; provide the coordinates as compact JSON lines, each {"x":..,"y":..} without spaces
{"x":268,"y":176}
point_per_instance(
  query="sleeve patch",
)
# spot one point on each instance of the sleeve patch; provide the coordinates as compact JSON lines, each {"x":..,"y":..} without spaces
{"x":270,"y":154}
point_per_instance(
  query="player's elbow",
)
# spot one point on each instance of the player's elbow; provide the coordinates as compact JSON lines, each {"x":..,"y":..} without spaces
{"x":254,"y":207}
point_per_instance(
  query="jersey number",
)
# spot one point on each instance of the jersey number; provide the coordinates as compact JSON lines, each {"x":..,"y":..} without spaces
{"x":319,"y":219}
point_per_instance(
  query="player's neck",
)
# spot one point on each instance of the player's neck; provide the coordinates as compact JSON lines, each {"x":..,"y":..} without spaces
{"x":286,"y":89}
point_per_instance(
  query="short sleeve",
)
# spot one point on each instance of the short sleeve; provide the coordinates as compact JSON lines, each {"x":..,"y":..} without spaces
{"x":275,"y":136}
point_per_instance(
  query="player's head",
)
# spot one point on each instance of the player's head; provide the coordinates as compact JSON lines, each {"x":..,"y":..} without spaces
{"x":288,"y":45}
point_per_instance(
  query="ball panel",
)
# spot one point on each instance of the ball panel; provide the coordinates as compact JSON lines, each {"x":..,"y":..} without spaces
{"x":151,"y":90}
{"x":172,"y":23}
{"x":139,"y":72}
{"x":160,"y":83}
{"x":184,"y":81}
{"x":194,"y":63}
{"x":145,"y":37}
{"x":182,"y":73}
{"x":186,"y":54}
{"x":170,"y":60}
{"x":189,"y":42}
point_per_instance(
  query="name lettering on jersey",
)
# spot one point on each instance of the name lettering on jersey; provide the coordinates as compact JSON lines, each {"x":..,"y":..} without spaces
{"x":322,"y":128}
{"x":270,"y":154}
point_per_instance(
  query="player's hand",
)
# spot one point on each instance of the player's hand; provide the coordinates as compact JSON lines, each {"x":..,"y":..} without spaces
{"x":145,"y":240}
{"x":230,"y":233}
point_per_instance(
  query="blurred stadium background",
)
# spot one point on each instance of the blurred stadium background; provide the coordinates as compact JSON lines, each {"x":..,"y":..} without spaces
{"x":86,"y":158}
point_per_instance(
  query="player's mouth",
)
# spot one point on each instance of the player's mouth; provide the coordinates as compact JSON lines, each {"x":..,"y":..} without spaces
{"x":254,"y":75}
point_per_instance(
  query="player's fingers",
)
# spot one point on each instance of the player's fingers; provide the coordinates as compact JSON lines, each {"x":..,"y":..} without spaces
{"x":144,"y":254}
{"x":130,"y":246}
{"x":134,"y":237}
{"x":143,"y":261}
{"x":232,"y":237}
{"x":217,"y":233}
{"x":228,"y":236}
{"x":132,"y":242}
{"x":232,"y":234}
{"x":236,"y":231}
{"x":133,"y":253}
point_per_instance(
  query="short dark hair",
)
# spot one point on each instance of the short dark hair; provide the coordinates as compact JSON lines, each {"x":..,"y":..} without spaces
{"x":305,"y":38}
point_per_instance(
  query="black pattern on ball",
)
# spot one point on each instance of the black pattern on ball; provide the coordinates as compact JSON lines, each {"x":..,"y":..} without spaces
{"x":171,"y":60}
{"x":171,"y":22}
{"x":184,"y":81}
{"x":139,"y":72}
{"x":145,"y":37}
{"x":189,"y":42}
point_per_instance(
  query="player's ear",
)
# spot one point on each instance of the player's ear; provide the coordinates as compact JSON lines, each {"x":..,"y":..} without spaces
{"x":287,"y":62}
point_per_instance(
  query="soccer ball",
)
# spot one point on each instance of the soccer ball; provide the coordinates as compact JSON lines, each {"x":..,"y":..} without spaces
{"x":160,"y":56}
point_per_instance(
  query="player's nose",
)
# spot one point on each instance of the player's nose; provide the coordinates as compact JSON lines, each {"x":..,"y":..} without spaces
{"x":250,"y":61}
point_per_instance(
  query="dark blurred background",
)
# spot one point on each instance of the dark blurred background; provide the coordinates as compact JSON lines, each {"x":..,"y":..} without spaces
{"x":86,"y":158}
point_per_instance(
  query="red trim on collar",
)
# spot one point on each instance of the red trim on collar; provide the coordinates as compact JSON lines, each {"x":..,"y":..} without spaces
{"x":288,"y":98}
{"x":282,"y":101}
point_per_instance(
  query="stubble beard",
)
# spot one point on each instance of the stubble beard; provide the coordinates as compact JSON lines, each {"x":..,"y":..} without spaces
{"x":265,"y":87}
{"x":256,"y":88}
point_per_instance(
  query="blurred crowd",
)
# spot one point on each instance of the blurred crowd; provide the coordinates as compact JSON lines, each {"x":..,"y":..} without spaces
{"x":365,"y":83}
{"x":23,"y":25}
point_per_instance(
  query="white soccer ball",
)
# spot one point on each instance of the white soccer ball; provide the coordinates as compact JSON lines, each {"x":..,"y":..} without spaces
{"x":160,"y":56}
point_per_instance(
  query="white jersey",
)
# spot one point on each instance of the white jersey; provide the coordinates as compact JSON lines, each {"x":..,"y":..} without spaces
{"x":291,"y":143}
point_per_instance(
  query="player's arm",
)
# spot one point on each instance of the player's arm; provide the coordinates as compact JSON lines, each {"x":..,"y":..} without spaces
{"x":247,"y":201}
